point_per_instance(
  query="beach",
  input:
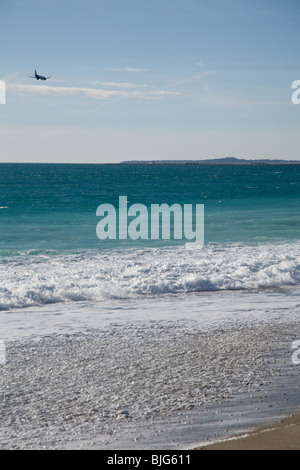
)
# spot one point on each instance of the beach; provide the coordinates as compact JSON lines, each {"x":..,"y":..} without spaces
{"x":144,"y":384}
{"x":140,"y":343}
{"x":279,"y":435}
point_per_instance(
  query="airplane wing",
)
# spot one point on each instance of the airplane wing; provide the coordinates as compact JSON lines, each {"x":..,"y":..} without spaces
{"x":30,"y":76}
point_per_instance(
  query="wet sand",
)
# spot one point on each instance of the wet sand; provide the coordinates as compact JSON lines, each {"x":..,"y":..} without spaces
{"x":283,"y":434}
{"x":139,"y":386}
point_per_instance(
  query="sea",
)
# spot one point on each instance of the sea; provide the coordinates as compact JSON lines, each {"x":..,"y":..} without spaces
{"x":136,"y":342}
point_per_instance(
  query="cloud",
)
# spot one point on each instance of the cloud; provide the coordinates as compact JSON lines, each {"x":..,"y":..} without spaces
{"x":124,"y":85}
{"x":92,"y":93}
{"x":127,"y":69}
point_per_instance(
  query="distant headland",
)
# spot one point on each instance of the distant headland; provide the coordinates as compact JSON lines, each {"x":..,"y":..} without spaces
{"x":214,"y":161}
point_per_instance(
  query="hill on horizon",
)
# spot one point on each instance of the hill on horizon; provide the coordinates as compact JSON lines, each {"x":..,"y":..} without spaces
{"x":225,"y":160}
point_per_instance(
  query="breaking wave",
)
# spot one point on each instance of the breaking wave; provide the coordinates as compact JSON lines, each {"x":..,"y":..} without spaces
{"x":32,"y":279}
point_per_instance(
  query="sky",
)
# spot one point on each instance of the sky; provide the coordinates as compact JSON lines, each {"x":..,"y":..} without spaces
{"x":149,"y":80}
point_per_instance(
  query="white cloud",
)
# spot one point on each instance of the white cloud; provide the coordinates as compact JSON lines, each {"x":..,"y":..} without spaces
{"x":127,"y":69}
{"x":92,"y":93}
{"x":124,"y":85}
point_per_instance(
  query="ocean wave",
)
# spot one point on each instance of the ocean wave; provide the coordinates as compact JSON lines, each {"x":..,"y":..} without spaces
{"x":38,"y":279}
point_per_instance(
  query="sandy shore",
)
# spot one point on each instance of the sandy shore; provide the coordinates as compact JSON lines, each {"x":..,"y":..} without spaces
{"x":279,"y":435}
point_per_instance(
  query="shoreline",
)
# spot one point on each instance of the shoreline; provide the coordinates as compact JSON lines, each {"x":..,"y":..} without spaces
{"x":282,"y":434}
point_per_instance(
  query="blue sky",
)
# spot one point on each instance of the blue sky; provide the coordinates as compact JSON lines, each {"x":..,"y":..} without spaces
{"x":149,"y":79}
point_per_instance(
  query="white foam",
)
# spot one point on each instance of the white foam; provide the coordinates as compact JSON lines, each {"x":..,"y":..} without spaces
{"x":31,"y":280}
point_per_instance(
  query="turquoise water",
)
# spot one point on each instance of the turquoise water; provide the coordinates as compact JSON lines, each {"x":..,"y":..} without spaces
{"x":50,"y":251}
{"x":54,"y":206}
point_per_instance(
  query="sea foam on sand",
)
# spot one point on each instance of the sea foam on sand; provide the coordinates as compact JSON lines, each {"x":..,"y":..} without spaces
{"x":140,"y":385}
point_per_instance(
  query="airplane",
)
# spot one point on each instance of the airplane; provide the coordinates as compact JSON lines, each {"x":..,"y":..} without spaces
{"x":39,"y":77}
